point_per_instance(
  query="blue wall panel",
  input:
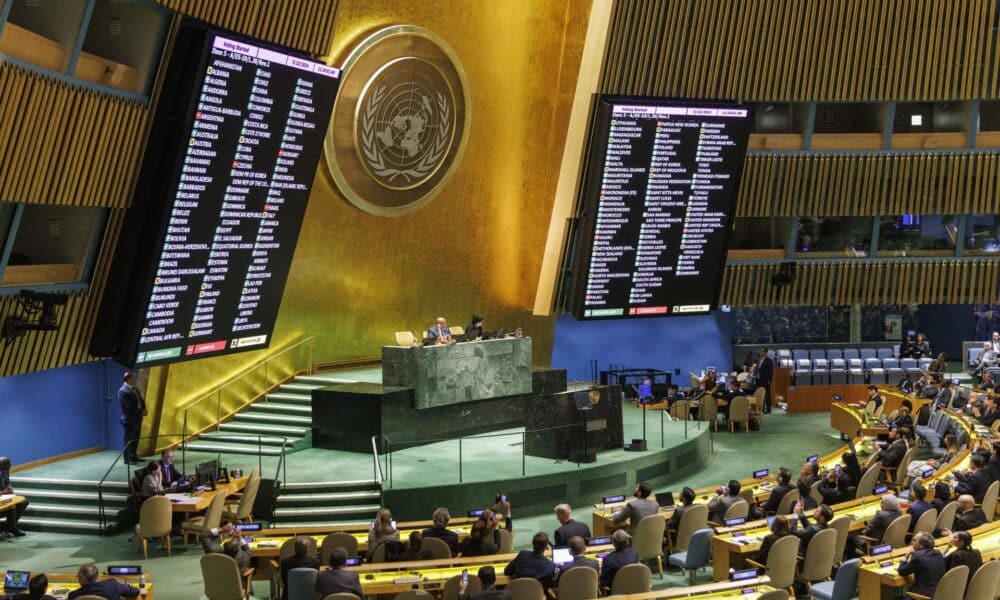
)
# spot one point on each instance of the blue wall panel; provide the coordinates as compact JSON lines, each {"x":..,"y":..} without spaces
{"x":60,"y":410}
{"x":686,"y":343}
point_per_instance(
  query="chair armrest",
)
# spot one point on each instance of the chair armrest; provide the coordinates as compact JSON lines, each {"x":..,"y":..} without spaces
{"x":274,"y":564}
{"x":755,"y":563}
{"x":713,"y":524}
{"x":918,"y":596}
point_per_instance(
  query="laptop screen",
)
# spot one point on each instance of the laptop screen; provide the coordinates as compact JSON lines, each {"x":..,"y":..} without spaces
{"x":16,"y":581}
{"x":665,"y":498}
{"x":561,"y":555}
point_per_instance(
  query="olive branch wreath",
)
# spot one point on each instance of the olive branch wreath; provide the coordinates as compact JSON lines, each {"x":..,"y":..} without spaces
{"x":427,"y":162}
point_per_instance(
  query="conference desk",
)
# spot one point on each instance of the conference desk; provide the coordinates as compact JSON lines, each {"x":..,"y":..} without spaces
{"x":431,"y":575}
{"x":748,"y":588}
{"x":879,"y":577}
{"x":9,"y":501}
{"x":62,"y":584}
{"x":270,"y":546}
{"x":731,"y":546}
{"x":293,"y":529}
{"x":458,"y":373}
{"x":199,"y":501}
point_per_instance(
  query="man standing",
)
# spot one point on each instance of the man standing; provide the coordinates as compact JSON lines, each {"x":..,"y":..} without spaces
{"x":14,"y":513}
{"x":568,"y":527}
{"x":765,"y":371}
{"x":133,"y":410}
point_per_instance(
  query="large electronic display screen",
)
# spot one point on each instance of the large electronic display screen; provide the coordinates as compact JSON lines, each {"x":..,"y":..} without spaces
{"x":232,"y":159}
{"x":657,"y":203}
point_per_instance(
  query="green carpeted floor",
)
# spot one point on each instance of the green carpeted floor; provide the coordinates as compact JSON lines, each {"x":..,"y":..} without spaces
{"x":786,"y":440}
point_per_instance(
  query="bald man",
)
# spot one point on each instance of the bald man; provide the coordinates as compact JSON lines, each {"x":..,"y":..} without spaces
{"x":440,"y":333}
{"x":968,"y":516}
{"x":568,"y":527}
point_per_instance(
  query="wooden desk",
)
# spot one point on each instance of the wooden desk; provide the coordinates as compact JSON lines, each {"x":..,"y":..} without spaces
{"x":199,"y":501}
{"x":749,"y":588}
{"x":293,"y":529}
{"x":6,"y":505}
{"x":880,"y":578}
{"x":61,"y":584}
{"x":269,"y":546}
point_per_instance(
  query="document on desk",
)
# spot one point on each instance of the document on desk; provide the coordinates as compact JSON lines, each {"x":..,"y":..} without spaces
{"x":182,"y":498}
{"x":6,"y":497}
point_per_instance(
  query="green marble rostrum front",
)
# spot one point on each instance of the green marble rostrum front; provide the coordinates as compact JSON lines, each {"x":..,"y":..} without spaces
{"x":457,"y":373}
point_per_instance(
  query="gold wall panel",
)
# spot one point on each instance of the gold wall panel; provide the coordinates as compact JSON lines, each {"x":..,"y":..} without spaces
{"x":920,"y":281}
{"x":358,"y":278}
{"x":61,"y":144}
{"x":869,"y":184}
{"x":305,"y":25}
{"x":799,"y":50}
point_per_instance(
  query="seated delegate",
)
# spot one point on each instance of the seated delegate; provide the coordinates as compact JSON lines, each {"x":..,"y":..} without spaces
{"x":14,"y":513}
{"x":105,"y":588}
{"x":440,"y":333}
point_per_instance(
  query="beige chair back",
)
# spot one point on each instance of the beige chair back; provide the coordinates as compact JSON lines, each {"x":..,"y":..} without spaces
{"x":695,"y":381}
{"x":288,"y":548}
{"x":895,"y":533}
{"x":842,"y":525}
{"x":819,"y":556}
{"x":990,"y":501}
{"x":867,"y":483}
{"x":580,"y":583}
{"x":155,"y":518}
{"x":893,"y":414}
{"x":525,"y":588}
{"x":814,"y":492}
{"x":788,"y":502}
{"x":337,"y":539}
{"x":870,"y":407}
{"x":738,"y":510}
{"x":747,"y":494}
{"x":926,"y":521}
{"x":695,"y":517}
{"x":680,"y":410}
{"x":900,"y":475}
{"x":742,"y":376}
{"x":633,"y":579}
{"x":506,"y":541}
{"x":648,"y":538}
{"x":985,"y":583}
{"x":760,"y":394}
{"x":739,"y":411}
{"x":946,"y":520}
{"x":378,"y":554}
{"x":457,"y":330}
{"x":952,"y":584}
{"x":781,"y":561}
{"x":213,"y":515}
{"x":342,"y":596}
{"x":244,"y":511}
{"x":436,"y":546}
{"x":709,"y":410}
{"x":222,"y":577}
{"x":405,"y":338}
{"x":411,"y":595}
{"x":450,"y":591}
{"x":880,"y":409}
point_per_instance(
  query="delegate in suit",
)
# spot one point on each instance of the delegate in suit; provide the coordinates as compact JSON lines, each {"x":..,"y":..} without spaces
{"x":133,"y":410}
{"x":635,"y":510}
{"x":568,"y":527}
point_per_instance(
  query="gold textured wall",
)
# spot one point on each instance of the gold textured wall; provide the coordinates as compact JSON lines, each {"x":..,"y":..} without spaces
{"x":357,"y":278}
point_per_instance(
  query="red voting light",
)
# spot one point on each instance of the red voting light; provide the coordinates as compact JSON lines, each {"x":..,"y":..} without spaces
{"x":235,"y":164}
{"x":281,"y":152}
{"x":197,"y":115}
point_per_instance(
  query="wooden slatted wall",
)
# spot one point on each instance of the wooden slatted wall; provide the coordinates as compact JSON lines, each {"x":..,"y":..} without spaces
{"x":61,"y":144}
{"x":305,"y":25}
{"x":870,"y":184}
{"x":65,"y":145}
{"x":802,"y":50}
{"x":840,"y":283}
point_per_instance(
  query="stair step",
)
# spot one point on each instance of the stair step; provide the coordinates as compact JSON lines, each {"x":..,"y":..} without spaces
{"x":32,"y":493}
{"x":301,"y":387}
{"x":294,"y":398}
{"x":39,"y":523}
{"x":282,"y":430}
{"x":230,"y":438}
{"x":59,"y":509}
{"x":263,"y":417}
{"x":325,"y":380}
{"x":281,"y":407}
{"x":330,"y":497}
{"x":326,"y":510}
{"x":20,"y":480}
{"x":317,"y":485}
{"x":233,"y":448}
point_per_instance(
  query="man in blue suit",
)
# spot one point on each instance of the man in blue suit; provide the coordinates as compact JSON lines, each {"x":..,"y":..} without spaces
{"x":133,"y":410}
{"x":765,"y":372}
{"x":112,"y":589}
{"x":440,"y":332}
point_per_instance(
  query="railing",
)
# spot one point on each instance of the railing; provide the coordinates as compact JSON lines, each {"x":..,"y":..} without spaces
{"x":377,"y":470}
{"x":279,"y":476}
{"x":245,"y":388}
{"x":522,"y":435}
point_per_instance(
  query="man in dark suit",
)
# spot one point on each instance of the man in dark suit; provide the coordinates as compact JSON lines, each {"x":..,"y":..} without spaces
{"x":925,"y":563}
{"x":822,"y":514}
{"x":673,"y":395}
{"x":110,"y":588}
{"x":919,"y":504}
{"x":728,"y":496}
{"x":168,"y":472}
{"x":623,"y":555}
{"x":635,"y":510}
{"x":302,"y":558}
{"x":488,"y":577}
{"x":568,"y":527}
{"x":338,"y":579}
{"x":14,"y":513}
{"x":765,"y":372}
{"x":674,"y":522}
{"x":533,"y":563}
{"x":891,"y":455}
{"x":880,"y":522}
{"x":976,"y":482}
{"x":784,"y":486}
{"x":577,"y":546}
{"x":968,"y":516}
{"x":133,"y":410}
{"x":440,"y":520}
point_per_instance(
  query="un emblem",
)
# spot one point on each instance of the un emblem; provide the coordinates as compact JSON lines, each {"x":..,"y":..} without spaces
{"x":399,"y":121}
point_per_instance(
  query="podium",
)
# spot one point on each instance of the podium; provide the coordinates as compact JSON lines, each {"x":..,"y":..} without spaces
{"x":575,"y":425}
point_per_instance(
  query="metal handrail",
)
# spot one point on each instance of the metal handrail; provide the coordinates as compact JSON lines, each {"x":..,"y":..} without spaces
{"x":217,"y":392}
{"x":377,"y":470}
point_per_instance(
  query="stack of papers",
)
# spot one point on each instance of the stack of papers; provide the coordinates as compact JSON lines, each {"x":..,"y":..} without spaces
{"x":182,"y":498}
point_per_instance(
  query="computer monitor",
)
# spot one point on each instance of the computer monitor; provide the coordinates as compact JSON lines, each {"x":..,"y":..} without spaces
{"x":561,"y":555}
{"x":206,"y":472}
{"x":646,"y":390}
{"x":665,"y":498}
{"x":16,"y":582}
